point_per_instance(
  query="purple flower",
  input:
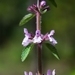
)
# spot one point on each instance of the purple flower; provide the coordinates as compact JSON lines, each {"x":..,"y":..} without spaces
{"x":51,"y":73}
{"x":43,"y":6}
{"x":26,"y":31}
{"x":51,"y":39}
{"x":38,"y":37}
{"x":27,"y":40}
{"x":30,"y":73}
{"x":43,"y":3}
{"x":48,"y":72}
{"x":25,"y":73}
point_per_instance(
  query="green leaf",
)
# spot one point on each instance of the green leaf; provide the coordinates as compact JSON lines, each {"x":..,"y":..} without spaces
{"x":53,"y":2}
{"x":44,"y":11}
{"x":26,"y":18}
{"x":26,"y":51}
{"x":53,"y":50}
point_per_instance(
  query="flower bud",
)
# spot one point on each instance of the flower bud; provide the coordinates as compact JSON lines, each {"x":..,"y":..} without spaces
{"x":30,"y":8}
{"x":33,"y":8}
{"x":43,"y":3}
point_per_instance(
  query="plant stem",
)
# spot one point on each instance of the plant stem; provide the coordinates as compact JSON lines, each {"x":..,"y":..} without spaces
{"x":38,"y":27}
{"x":38,"y":16}
{"x":39,"y":60}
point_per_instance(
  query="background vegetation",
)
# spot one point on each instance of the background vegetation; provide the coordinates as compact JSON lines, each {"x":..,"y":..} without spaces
{"x":62,"y":19}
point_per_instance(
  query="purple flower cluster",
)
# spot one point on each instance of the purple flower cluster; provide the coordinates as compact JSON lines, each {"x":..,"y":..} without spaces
{"x":34,"y":8}
{"x":38,"y":37}
{"x":48,"y":73}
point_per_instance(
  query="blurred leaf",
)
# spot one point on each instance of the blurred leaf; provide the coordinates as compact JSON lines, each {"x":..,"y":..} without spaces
{"x":52,"y":49}
{"x":44,"y":11}
{"x":26,"y":18}
{"x":53,"y":2}
{"x":26,"y":51}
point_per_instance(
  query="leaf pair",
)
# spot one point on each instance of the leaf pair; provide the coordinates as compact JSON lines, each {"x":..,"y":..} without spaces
{"x":28,"y":48}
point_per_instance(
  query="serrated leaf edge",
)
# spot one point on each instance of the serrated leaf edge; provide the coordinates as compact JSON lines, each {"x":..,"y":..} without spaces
{"x":32,"y":45}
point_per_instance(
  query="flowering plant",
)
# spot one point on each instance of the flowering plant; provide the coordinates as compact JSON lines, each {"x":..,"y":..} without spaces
{"x":31,"y":39}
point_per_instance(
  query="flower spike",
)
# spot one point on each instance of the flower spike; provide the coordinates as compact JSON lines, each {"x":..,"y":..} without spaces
{"x":38,"y":38}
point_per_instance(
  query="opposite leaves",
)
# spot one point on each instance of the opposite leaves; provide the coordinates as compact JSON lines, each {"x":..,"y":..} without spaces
{"x":53,"y":50}
{"x":26,"y":18}
{"x":26,"y":51}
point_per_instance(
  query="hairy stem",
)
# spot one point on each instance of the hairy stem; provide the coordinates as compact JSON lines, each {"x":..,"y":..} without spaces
{"x":38,"y":27}
{"x":38,"y":16}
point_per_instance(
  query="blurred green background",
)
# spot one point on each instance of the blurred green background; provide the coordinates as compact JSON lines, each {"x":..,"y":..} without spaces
{"x":61,"y":19}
